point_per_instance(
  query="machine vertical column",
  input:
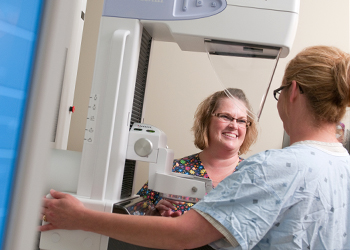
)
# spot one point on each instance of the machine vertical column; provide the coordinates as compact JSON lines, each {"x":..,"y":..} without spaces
{"x":112,"y":92}
{"x":110,"y":107}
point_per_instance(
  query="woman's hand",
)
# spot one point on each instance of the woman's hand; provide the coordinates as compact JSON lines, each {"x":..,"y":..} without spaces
{"x":166,"y":207}
{"x":63,"y":211}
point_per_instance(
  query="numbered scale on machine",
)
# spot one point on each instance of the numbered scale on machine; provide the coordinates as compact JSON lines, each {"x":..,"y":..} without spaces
{"x":91,"y":119}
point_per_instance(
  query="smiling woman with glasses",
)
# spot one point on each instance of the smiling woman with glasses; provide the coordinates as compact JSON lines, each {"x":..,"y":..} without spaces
{"x":211,"y":107}
{"x":222,"y":132}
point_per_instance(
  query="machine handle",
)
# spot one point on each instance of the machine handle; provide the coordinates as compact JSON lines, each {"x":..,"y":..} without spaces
{"x":117,"y":50}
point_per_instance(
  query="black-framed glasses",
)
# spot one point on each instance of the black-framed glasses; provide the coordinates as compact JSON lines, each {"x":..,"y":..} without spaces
{"x":277,"y":92}
{"x":241,"y":122}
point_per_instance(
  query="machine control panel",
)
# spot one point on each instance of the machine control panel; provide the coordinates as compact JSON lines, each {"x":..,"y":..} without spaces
{"x":163,"y":9}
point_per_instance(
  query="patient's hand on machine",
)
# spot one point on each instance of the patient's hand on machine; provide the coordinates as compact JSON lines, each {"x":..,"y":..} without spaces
{"x":63,"y":211}
{"x":166,"y":208}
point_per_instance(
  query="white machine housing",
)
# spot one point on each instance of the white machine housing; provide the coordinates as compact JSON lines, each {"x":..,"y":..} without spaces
{"x":148,"y":143}
{"x":255,"y":22}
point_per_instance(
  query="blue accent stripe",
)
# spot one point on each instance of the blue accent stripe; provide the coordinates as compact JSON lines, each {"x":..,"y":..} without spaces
{"x":19,"y":30}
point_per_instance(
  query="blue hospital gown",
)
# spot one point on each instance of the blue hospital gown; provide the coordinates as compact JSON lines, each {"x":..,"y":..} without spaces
{"x":292,"y":198}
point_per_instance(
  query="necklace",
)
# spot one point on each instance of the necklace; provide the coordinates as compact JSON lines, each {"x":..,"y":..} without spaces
{"x":330,"y":146}
{"x":320,"y":143}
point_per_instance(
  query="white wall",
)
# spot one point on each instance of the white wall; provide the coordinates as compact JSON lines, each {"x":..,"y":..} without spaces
{"x":179,"y":80}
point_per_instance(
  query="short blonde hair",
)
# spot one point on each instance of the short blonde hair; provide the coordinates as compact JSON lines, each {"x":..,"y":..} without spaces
{"x":323,"y":73}
{"x":203,"y":115}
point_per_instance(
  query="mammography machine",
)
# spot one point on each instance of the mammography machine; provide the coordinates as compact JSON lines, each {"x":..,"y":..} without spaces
{"x":114,"y":135}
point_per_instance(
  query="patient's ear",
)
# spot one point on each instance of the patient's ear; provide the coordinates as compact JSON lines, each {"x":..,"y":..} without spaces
{"x":293,"y":91}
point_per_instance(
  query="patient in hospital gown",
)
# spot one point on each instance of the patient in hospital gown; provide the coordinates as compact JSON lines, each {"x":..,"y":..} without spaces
{"x":284,"y":198}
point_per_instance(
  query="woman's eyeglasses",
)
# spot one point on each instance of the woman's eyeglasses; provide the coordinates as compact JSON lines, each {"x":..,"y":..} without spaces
{"x":277,"y":92}
{"x":228,"y":119}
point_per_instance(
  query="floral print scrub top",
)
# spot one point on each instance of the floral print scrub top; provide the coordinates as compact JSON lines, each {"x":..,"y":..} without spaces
{"x":190,"y":165}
